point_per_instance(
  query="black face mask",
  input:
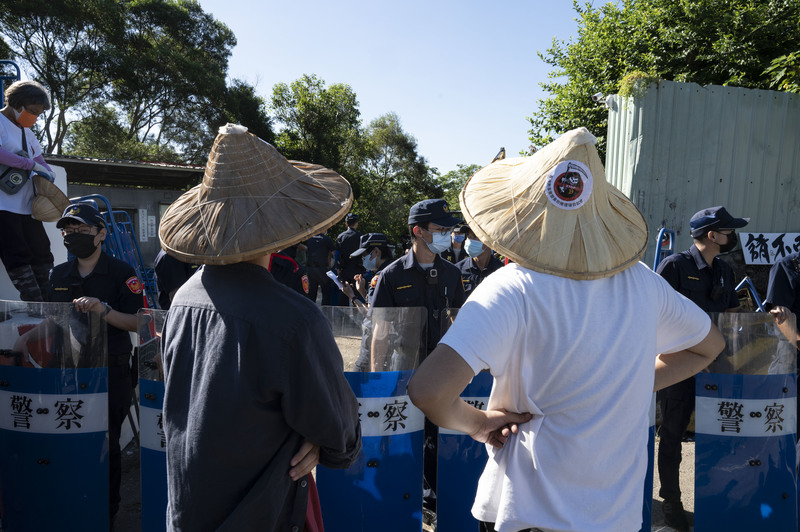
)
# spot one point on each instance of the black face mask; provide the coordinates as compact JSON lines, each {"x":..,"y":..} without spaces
{"x":730,"y":244}
{"x":80,"y":245}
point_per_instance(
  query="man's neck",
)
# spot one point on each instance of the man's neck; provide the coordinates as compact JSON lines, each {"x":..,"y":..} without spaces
{"x":708,"y":251}
{"x":422,"y":253}
{"x":87,"y":265}
{"x":482,"y":260}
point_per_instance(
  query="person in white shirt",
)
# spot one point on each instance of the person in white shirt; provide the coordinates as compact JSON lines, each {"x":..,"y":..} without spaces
{"x":572,"y":334}
{"x":24,"y":246}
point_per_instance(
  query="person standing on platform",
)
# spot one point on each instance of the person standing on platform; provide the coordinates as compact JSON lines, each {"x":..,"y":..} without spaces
{"x":708,"y":281}
{"x":24,"y":246}
{"x":255,"y":395}
{"x":571,"y":333}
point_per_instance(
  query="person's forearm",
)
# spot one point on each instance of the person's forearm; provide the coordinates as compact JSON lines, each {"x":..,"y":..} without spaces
{"x":15,"y":161}
{"x":121,"y":320}
{"x":673,"y":368}
{"x":454,"y":414}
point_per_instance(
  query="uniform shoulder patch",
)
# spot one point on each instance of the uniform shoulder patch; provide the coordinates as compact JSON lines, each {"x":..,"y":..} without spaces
{"x":134,"y":285}
{"x":374,"y":280}
{"x":305,"y":283}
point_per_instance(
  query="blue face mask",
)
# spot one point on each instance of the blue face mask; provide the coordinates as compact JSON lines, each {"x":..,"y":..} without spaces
{"x":440,"y":242}
{"x":458,"y":239}
{"x":369,"y":262}
{"x":473,"y":247}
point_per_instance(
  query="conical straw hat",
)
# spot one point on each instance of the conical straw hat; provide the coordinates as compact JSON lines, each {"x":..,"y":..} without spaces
{"x":554,"y":212}
{"x":49,"y":202}
{"x":252,"y":201}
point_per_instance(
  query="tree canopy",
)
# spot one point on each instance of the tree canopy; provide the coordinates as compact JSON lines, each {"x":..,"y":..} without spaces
{"x":719,"y":42}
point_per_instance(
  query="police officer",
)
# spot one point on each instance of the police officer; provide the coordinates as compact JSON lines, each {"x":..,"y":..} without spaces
{"x":700,"y":275}
{"x":170,"y":275}
{"x":783,"y":299}
{"x":320,"y":250}
{"x":479,"y":262}
{"x":346,"y":243}
{"x":421,"y":278}
{"x":95,"y":281}
{"x":456,"y":252}
{"x":288,"y":271}
{"x":375,"y":255}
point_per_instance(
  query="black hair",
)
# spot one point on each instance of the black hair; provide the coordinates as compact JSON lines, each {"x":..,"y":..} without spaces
{"x":22,"y":93}
{"x":411,"y":227}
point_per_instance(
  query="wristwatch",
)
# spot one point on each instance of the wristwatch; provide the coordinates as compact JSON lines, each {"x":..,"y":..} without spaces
{"x":106,"y":309}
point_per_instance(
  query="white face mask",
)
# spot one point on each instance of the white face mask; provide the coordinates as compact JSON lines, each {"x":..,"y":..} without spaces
{"x":369,"y":262}
{"x":440,"y":242}
{"x":473,"y":247}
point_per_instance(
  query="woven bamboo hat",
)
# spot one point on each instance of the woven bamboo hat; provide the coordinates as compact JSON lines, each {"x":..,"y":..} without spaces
{"x":252,"y":201}
{"x":554,"y":212}
{"x":49,"y":202}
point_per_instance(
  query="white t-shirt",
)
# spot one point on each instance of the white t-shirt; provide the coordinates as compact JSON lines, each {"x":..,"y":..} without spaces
{"x":580,"y":356}
{"x":11,"y":140}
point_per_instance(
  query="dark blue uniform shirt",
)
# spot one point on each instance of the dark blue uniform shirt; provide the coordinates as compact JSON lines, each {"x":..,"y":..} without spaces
{"x":472,"y":275}
{"x":170,"y":275}
{"x":318,"y":250}
{"x":784,"y":283}
{"x":712,"y":288}
{"x":288,"y":272}
{"x":347,"y":242}
{"x":404,"y":283}
{"x":112,"y":281}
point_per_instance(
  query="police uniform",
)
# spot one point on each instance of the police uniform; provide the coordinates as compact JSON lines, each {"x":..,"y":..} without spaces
{"x":318,"y":252}
{"x":404,"y":283}
{"x":454,"y":255}
{"x":347,"y":242}
{"x":713,"y":289}
{"x":472,"y":274}
{"x":114,"y":282}
{"x":287,"y":271}
{"x":170,"y":275}
{"x":783,"y":288}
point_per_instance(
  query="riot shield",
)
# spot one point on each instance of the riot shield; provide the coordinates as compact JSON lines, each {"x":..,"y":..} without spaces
{"x":383,"y":489}
{"x":398,"y":340}
{"x":745,"y":428}
{"x":54,"y":435}
{"x":152,"y":451}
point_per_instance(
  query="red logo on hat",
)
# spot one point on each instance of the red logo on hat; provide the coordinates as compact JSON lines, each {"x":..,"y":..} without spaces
{"x":568,"y":186}
{"x":134,"y":285}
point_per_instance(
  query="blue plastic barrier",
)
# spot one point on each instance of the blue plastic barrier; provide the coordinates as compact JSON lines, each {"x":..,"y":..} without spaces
{"x":461,"y":462}
{"x":745,"y":429}
{"x":54,"y":431}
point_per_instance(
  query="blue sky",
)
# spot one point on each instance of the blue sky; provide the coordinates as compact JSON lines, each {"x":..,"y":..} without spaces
{"x":461,"y":75}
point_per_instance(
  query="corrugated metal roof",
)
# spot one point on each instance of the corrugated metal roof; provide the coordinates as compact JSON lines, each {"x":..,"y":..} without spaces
{"x":682,"y":147}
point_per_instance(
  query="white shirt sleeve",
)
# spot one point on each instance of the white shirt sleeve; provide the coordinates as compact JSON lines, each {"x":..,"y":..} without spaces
{"x":681,"y":323}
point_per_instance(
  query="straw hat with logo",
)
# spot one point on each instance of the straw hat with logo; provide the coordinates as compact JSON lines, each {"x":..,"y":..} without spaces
{"x":554,"y":212}
{"x":252,"y":201}
{"x":49,"y":202}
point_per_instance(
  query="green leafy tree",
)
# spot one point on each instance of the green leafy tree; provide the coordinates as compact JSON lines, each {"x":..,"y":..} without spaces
{"x":394,"y":177}
{"x":701,"y":41}
{"x":453,"y":181}
{"x":319,"y":124}
{"x":784,"y":72}
{"x":63,"y":44}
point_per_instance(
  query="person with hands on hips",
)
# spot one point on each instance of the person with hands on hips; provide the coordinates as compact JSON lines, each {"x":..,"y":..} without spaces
{"x":24,"y":246}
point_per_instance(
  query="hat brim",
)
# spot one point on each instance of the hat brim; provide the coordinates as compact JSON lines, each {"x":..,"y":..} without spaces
{"x":49,"y":203}
{"x":736,"y":223}
{"x":507,"y":207}
{"x":252,"y":202}
{"x":447,"y":221}
{"x":359,"y":252}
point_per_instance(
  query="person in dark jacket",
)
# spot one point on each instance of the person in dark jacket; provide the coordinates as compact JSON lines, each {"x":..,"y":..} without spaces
{"x":255,"y":396}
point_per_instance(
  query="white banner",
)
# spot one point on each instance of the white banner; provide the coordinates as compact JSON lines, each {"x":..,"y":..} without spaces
{"x":750,"y":418}
{"x":768,"y":248}
{"x":54,"y":414}
{"x":384,"y":416}
{"x":151,"y":429}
